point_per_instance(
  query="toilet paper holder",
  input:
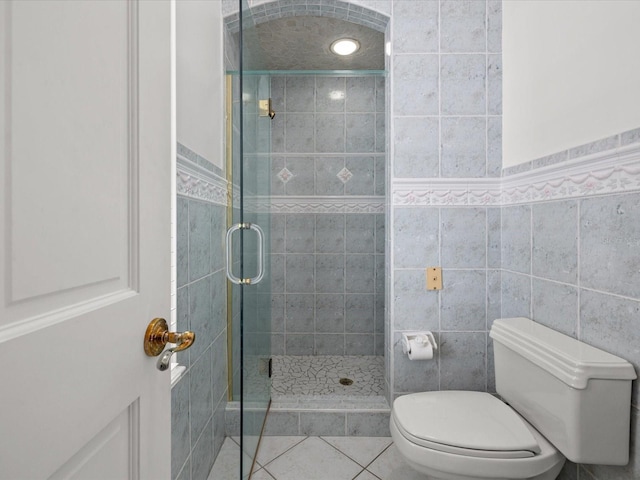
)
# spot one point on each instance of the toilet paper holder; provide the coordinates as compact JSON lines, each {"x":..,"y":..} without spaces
{"x":418,"y":338}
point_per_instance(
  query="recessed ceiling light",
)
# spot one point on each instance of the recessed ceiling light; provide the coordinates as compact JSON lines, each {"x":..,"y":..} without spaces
{"x":345,"y":46}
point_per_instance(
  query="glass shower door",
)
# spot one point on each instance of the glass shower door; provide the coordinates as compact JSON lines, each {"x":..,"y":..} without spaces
{"x":252,"y":167}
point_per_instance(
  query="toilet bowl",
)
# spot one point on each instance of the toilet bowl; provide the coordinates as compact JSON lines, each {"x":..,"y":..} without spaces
{"x":562,"y":399}
{"x":457,"y":435}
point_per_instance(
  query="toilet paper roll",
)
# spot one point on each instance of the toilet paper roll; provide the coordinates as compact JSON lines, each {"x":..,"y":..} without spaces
{"x":420,"y":350}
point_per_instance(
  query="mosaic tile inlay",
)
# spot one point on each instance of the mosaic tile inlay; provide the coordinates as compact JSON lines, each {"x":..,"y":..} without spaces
{"x":321,"y":374}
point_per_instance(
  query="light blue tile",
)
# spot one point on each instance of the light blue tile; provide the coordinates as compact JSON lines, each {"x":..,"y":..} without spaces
{"x":180,"y":434}
{"x":298,"y":344}
{"x":611,"y":323}
{"x":494,"y":296}
{"x":462,"y":83}
{"x":330,"y":313}
{"x":464,"y":237}
{"x":360,"y":233}
{"x":277,"y":312}
{"x":199,"y":239}
{"x":277,"y":229}
{"x":278,"y":127}
{"x":277,"y":93}
{"x":299,"y":94}
{"x":516,"y":295}
{"x":329,"y":344}
{"x":494,"y":147}
{"x":463,"y":300}
{"x":494,"y":84}
{"x":594,"y":147}
{"x":329,"y":273}
{"x":182,"y":241}
{"x":219,"y":369}
{"x":277,"y":270}
{"x":330,"y":132}
{"x":629,"y":137}
{"x":300,"y":233}
{"x":218,"y":232}
{"x":494,"y":242}
{"x":218,"y":302}
{"x":412,"y":376}
{"x":415,"y":26}
{"x":359,"y":273}
{"x":322,"y":423}
{"x":360,"y":132}
{"x":416,"y":143}
{"x":359,"y":344}
{"x":361,"y":94}
{"x":555,"y":241}
{"x":299,"y":313}
{"x":330,"y":233}
{"x":299,"y":273}
{"x":359,"y":313}
{"x":202,"y":457}
{"x":462,"y":26}
{"x":494,"y":25}
{"x":463,"y":361}
{"x":380,"y":94}
{"x":380,"y":233}
{"x":415,"y":85}
{"x":200,"y":395}
{"x":303,"y":180}
{"x":609,"y":245}
{"x":368,"y":424}
{"x":219,"y":427}
{"x":363,"y":180}
{"x":299,"y":129}
{"x":416,"y":237}
{"x":381,"y":133}
{"x":327,"y":181}
{"x":200,"y":316}
{"x":463,"y":147}
{"x":379,"y":166}
{"x":282,"y":423}
{"x":555,"y":305}
{"x":415,"y":307}
{"x":516,"y":238}
{"x":330,"y":94}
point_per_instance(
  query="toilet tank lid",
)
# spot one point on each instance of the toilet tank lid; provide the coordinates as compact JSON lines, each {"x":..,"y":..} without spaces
{"x":566,"y":358}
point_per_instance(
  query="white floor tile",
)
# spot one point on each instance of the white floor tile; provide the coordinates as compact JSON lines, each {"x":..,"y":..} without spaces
{"x":361,"y":449}
{"x":313,"y":459}
{"x":227,"y":463}
{"x":272,"y":447}
{"x":261,"y":474}
{"x":391,"y":466}
{"x":366,"y":476}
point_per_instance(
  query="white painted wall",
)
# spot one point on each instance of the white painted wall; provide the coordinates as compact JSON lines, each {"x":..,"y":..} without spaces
{"x":200,"y":78}
{"x":571,"y":74}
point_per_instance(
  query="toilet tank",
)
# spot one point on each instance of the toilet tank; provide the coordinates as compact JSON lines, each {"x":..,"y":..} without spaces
{"x":577,"y":396}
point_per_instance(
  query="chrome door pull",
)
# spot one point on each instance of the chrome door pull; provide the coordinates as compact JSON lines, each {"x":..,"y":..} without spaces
{"x":261,"y":249}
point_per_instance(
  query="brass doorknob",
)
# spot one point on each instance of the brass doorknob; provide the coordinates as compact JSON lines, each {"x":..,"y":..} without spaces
{"x":158,"y":335}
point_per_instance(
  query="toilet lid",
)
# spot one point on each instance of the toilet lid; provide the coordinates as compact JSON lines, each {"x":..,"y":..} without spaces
{"x":464,"y":420}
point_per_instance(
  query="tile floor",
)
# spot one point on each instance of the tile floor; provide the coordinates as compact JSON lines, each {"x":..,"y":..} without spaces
{"x":318,"y":458}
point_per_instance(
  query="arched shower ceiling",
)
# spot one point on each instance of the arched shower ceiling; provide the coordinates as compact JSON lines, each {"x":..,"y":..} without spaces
{"x":271,"y":10}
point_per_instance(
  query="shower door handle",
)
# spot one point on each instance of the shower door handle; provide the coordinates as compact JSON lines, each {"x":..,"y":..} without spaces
{"x":261,"y":249}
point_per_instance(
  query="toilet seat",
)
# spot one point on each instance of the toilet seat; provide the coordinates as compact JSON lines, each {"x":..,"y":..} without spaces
{"x":420,"y":441}
{"x":464,"y":423}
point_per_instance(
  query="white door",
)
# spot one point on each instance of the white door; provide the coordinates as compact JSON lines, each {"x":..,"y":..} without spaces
{"x":85,"y":149}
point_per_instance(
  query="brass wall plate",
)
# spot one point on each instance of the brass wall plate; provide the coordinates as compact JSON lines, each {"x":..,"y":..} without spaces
{"x":434,"y":278}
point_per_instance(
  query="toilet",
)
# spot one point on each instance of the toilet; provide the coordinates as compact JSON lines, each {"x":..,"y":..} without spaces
{"x":560,"y":399}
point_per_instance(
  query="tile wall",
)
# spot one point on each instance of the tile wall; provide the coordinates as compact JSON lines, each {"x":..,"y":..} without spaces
{"x":199,"y":398}
{"x":445,"y":73}
{"x":572,"y":263}
{"x":327,"y":230}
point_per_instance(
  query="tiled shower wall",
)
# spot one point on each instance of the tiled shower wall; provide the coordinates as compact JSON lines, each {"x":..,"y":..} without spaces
{"x":199,"y":398}
{"x":327,"y":230}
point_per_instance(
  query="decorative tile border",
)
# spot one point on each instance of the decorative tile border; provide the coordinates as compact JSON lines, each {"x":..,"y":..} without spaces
{"x":612,"y":171}
{"x":317,"y":204}
{"x":197,"y":183}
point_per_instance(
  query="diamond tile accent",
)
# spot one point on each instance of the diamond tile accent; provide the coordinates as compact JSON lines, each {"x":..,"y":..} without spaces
{"x":344,"y":175}
{"x":285,"y":175}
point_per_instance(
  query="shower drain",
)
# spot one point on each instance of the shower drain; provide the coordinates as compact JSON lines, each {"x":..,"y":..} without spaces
{"x":346,"y":381}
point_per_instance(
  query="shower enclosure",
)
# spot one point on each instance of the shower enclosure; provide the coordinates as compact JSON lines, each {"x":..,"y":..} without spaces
{"x":306,"y":154}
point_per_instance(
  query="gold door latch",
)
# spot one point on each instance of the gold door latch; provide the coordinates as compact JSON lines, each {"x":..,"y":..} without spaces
{"x":158,"y":335}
